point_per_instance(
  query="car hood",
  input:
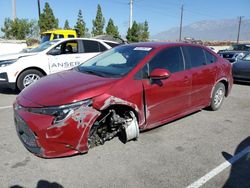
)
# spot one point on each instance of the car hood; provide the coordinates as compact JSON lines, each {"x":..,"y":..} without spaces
{"x":15,"y":56}
{"x":65,"y":88}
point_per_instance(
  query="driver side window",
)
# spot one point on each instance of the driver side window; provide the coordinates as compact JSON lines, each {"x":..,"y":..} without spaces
{"x":67,"y":47}
{"x":169,"y":58}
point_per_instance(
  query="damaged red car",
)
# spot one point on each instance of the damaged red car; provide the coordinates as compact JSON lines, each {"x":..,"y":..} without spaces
{"x":119,"y":93}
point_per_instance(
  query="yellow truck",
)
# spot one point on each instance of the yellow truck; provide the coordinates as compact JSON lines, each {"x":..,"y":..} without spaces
{"x":58,"y":33}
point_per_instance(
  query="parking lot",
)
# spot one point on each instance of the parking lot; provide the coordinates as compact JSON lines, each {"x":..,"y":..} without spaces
{"x":177,"y":154}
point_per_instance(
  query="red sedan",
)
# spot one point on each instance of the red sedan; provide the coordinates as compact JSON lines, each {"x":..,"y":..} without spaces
{"x":118,"y":93}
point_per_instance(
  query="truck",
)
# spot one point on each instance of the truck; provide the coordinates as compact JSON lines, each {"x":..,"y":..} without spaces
{"x":57,"y":34}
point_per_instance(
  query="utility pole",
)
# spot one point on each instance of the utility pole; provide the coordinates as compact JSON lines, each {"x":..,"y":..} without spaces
{"x":181,"y":22}
{"x":238,"y":36}
{"x":39,"y":10}
{"x":13,"y":9}
{"x":131,"y":14}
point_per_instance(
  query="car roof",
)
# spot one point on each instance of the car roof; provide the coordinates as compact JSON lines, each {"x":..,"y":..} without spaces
{"x":163,"y":44}
{"x":92,"y":39}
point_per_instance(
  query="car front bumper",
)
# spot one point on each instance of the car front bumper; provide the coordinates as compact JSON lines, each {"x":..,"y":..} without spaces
{"x":4,"y":81}
{"x":45,"y":139}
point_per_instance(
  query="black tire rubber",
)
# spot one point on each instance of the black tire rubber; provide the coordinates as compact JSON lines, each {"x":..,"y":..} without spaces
{"x":213,"y":106}
{"x":20,"y":85}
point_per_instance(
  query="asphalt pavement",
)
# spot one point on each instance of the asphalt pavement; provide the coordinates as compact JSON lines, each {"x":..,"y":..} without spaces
{"x":202,"y":145}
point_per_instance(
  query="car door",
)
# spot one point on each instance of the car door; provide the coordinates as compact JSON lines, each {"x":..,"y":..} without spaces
{"x":64,"y":56}
{"x":203,"y":70}
{"x":170,"y":97}
{"x":241,"y":68}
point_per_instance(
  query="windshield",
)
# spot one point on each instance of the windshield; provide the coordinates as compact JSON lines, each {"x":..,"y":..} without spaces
{"x":45,"y":37}
{"x":116,"y":62}
{"x":43,"y":46}
{"x":240,"y":47}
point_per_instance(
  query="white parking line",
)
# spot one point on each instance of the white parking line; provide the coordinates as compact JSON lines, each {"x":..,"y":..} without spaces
{"x":4,"y":107}
{"x":219,"y":169}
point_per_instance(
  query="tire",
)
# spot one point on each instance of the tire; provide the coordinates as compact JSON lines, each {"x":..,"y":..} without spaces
{"x":28,"y":77}
{"x":217,"y":97}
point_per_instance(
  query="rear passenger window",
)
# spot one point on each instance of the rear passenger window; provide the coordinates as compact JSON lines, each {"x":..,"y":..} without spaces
{"x":170,"y":58}
{"x":102,"y":47}
{"x":91,"y":46}
{"x":209,"y":57}
{"x":195,"y":56}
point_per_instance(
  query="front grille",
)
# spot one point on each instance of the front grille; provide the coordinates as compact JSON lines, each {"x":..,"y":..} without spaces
{"x":26,"y":135}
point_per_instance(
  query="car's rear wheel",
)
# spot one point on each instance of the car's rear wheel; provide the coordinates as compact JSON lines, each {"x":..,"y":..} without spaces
{"x":28,"y":77}
{"x":217,"y":96}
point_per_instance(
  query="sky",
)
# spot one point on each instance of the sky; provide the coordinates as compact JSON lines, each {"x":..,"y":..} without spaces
{"x":160,"y":14}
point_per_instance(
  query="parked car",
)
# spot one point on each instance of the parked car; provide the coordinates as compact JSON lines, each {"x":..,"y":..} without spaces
{"x":234,"y":52}
{"x":22,"y":69}
{"x":117,"y":93}
{"x":241,"y":69}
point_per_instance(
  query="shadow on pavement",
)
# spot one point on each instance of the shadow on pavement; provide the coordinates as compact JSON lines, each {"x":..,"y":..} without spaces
{"x":4,"y":90}
{"x":42,"y":184}
{"x":240,"y":170}
{"x":241,"y":83}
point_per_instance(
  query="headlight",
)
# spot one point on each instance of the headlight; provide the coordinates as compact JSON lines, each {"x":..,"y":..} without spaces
{"x":60,"y":112}
{"x":5,"y":63}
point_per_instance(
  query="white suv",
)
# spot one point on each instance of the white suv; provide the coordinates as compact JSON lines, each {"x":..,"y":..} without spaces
{"x":22,"y":69}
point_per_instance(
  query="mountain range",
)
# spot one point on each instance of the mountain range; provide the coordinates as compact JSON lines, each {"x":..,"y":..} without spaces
{"x":210,"y":30}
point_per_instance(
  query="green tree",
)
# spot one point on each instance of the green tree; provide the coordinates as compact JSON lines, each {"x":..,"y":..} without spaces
{"x":138,"y":32}
{"x":145,"y":32}
{"x":111,"y":29}
{"x":18,"y":29}
{"x":66,"y":24}
{"x":80,"y":25}
{"x":98,"y":23}
{"x":133,"y":33}
{"x":47,"y":19}
{"x":34,"y":30}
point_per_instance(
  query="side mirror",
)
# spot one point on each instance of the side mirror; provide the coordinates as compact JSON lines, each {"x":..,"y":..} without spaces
{"x":159,"y":74}
{"x":55,"y":52}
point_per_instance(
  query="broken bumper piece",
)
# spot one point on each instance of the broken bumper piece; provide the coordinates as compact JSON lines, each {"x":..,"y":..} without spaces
{"x":44,"y":138}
